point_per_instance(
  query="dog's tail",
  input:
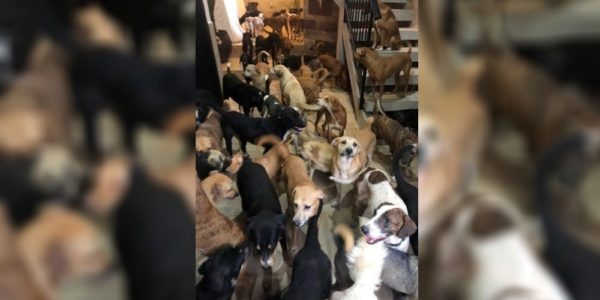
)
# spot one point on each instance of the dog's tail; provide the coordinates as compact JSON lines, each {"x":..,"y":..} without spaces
{"x":344,"y":240}
{"x":274,"y":141}
{"x":206,"y":98}
{"x":320,"y":75}
{"x":306,"y":106}
{"x":264,"y":56}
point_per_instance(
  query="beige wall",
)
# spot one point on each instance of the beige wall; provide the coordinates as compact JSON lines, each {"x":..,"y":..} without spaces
{"x":265,"y":5}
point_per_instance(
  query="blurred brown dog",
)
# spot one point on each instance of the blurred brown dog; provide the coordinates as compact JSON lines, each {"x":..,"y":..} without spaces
{"x":218,"y":186}
{"x":387,"y":33}
{"x":209,"y":134}
{"x":335,"y":118}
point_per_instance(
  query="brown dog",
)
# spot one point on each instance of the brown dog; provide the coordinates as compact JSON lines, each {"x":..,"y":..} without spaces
{"x":311,"y":85}
{"x":273,"y":159}
{"x":352,"y":155}
{"x":209,"y":134}
{"x":337,"y":70}
{"x":278,"y":23}
{"x":394,"y":134}
{"x":381,"y":68}
{"x":386,"y":32}
{"x":60,"y":244}
{"x":335,"y":118}
{"x":213,"y":230}
{"x":218,"y":186}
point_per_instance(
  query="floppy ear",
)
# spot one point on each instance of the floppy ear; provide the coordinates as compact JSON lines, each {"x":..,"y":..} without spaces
{"x":408,"y":228}
{"x":335,"y":142}
{"x":203,"y":269}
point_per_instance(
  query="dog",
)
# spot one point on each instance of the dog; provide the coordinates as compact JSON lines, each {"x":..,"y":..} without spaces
{"x":392,"y":133}
{"x":296,"y":25}
{"x":265,"y":227}
{"x":293,"y":94}
{"x":254,"y":25}
{"x":322,"y":47}
{"x":352,"y":155}
{"x":213,"y":230}
{"x":295,"y":62}
{"x":220,"y":273}
{"x":408,"y":192}
{"x":389,"y":219}
{"x":337,"y":71}
{"x":272,"y":160}
{"x":381,"y":68}
{"x":311,"y":277}
{"x":386,"y":32}
{"x":137,"y":204}
{"x":366,"y":261}
{"x":209,"y":134}
{"x":311,"y":85}
{"x":246,"y":95}
{"x":258,"y":74}
{"x":277,"y":23}
{"x":319,"y":155}
{"x":209,"y":161}
{"x":272,"y":44}
{"x":272,"y":106}
{"x":218,"y":186}
{"x":247,"y":55}
{"x":335,"y":118}
{"x":60,"y":244}
{"x":249,"y":129}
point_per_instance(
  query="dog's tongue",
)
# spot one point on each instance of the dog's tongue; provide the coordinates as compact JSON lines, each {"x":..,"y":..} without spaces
{"x":370,"y":240}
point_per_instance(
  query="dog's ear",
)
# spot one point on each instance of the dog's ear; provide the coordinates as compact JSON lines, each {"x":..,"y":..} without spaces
{"x":215,"y":192}
{"x":335,"y":142}
{"x":408,"y":228}
{"x":204,"y":267}
{"x":281,"y":219}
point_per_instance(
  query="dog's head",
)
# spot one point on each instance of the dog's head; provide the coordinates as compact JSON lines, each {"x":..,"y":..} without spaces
{"x":264,"y":231}
{"x":388,"y":220}
{"x":291,"y":118}
{"x":245,"y":59}
{"x":219,"y":186}
{"x":346,"y":146}
{"x":257,"y":96}
{"x":361,"y":53}
{"x":279,"y":71}
{"x":325,"y":101}
{"x":222,"y":270}
{"x":306,"y":203}
{"x":216,"y":159}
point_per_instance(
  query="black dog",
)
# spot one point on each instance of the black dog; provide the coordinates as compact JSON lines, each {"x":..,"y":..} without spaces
{"x":575,"y":263}
{"x":311,"y":278}
{"x":408,"y":192}
{"x":261,"y":204}
{"x":211,"y":160}
{"x":272,"y":106}
{"x":154,"y":234}
{"x":408,"y":118}
{"x":139,"y":93}
{"x":247,"y":56}
{"x":249,"y":129}
{"x":271,"y":44}
{"x":218,"y":273}
{"x":294,"y":62}
{"x":246,"y":95}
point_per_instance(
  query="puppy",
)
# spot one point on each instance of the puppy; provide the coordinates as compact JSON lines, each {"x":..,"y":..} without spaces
{"x":337,"y":71}
{"x":335,"y":118}
{"x":392,"y":133}
{"x":220,"y":273}
{"x":311,"y":85}
{"x":247,"y":96}
{"x":388,"y":214}
{"x":209,"y":134}
{"x":213,"y":230}
{"x":293,"y":94}
{"x":311,"y":277}
{"x":352,"y":155}
{"x":260,"y":202}
{"x":209,"y":161}
{"x":381,"y":68}
{"x":249,"y":129}
{"x":60,"y":244}
{"x":218,"y":186}
{"x":386,"y":32}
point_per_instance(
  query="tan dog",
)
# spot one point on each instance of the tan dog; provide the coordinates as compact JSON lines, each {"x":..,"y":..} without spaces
{"x":293,"y":94}
{"x":337,"y":71}
{"x":386,"y":29}
{"x":311,"y":85}
{"x":218,"y":186}
{"x":273,"y":159}
{"x":319,"y":155}
{"x":209,"y":134}
{"x":96,"y":28}
{"x":258,"y":74}
{"x":352,"y":155}
{"x":58,"y":245}
{"x":278,"y":23}
{"x":381,"y":68}
{"x":335,"y":118}
{"x":343,"y":98}
{"x":213,"y":230}
{"x":16,"y":281}
{"x":230,"y":105}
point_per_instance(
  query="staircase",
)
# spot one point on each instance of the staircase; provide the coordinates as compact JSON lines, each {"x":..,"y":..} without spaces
{"x":357,"y":31}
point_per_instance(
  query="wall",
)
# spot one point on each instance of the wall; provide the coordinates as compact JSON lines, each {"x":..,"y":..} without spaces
{"x":322,"y":26}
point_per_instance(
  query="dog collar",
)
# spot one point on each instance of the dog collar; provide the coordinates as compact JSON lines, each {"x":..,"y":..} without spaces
{"x":396,"y":245}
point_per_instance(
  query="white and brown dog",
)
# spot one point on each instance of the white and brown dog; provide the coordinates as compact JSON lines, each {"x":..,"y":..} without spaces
{"x":389,"y":220}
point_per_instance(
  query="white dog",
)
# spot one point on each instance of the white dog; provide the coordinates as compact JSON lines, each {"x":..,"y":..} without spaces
{"x":293,"y":94}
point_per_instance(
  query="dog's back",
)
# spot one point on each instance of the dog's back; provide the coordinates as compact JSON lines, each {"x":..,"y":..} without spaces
{"x":256,"y":190}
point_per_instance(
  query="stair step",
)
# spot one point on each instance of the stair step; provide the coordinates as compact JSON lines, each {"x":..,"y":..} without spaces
{"x":404,"y":15}
{"x":414,"y":55}
{"x":406,"y":33}
{"x":413,"y":80}
{"x":394,"y":1}
{"x":392,"y":102}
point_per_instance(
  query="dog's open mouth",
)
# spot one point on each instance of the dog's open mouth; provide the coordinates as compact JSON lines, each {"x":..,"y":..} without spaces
{"x":298,"y":129}
{"x":372,"y":240}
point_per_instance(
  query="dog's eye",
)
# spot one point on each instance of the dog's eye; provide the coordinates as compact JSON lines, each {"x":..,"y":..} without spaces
{"x":386,"y":221}
{"x":344,"y":142}
{"x":354,"y":144}
{"x":296,"y":205}
{"x":306,"y":207}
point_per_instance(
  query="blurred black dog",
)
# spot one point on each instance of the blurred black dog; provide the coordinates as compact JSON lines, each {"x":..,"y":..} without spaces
{"x":219,"y":272}
{"x":154,"y":234}
{"x":139,"y":92}
{"x":247,"y":56}
{"x":272,"y":44}
{"x":408,"y":192}
{"x":247,"y":96}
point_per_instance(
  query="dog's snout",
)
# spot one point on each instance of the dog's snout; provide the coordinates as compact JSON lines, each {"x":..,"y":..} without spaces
{"x":348,"y":151}
{"x":364,"y":229}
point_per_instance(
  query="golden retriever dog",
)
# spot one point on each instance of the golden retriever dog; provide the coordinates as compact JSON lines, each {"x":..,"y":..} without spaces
{"x":293,"y":94}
